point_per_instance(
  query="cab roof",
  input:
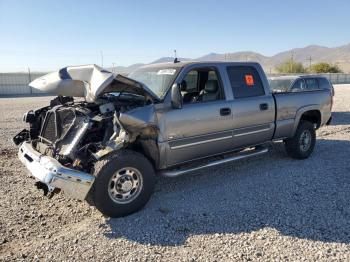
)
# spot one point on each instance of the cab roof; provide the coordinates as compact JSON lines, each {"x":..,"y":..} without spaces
{"x":192,"y":62}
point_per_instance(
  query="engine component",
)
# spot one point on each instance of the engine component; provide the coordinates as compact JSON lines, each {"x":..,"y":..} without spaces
{"x":62,"y":130}
{"x":29,"y":117}
{"x":69,"y":145}
{"x":61,"y":100}
{"x":107,"y":108}
{"x":115,"y":143}
{"x":20,"y":137}
{"x":117,"y":140}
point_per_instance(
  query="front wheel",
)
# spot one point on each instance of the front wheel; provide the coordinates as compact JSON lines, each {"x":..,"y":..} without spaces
{"x":123,"y":184}
{"x":302,"y":144}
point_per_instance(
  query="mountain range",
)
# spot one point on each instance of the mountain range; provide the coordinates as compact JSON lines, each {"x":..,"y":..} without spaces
{"x":313,"y":53}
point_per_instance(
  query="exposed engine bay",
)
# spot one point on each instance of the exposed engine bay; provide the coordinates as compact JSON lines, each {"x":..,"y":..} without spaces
{"x":79,"y":133}
{"x":96,"y":118}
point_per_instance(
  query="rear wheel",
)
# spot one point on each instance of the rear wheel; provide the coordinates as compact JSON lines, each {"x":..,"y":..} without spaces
{"x":123,"y":184}
{"x":302,"y":144}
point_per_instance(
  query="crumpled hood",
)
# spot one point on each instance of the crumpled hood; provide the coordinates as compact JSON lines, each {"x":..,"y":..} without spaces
{"x":88,"y":81}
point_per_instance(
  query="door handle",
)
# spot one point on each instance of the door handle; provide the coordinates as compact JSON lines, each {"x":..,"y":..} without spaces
{"x":264,"y":106}
{"x":225,"y":111}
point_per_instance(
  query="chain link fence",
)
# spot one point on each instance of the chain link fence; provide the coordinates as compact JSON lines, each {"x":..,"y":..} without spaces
{"x":334,"y":78}
{"x":338,"y":78}
{"x":17,"y":83}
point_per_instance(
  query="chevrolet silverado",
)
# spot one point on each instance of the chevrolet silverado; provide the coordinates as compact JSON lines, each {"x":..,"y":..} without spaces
{"x":105,"y":137}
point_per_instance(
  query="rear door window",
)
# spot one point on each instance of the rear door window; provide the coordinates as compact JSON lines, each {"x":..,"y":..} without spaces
{"x":299,"y":85}
{"x":311,"y":83}
{"x":324,"y":83}
{"x":245,"y":81}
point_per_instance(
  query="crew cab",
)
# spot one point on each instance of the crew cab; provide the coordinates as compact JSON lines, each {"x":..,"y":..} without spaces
{"x":106,"y":136}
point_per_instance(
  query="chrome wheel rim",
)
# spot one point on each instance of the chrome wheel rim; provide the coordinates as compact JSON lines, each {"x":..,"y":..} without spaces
{"x":125,"y":185}
{"x":305,"y":140}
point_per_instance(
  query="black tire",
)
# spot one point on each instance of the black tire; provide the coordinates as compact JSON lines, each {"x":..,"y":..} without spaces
{"x":295,"y":147}
{"x":105,"y":170}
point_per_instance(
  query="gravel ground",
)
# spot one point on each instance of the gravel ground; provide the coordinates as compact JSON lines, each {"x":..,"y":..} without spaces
{"x":266,"y":208}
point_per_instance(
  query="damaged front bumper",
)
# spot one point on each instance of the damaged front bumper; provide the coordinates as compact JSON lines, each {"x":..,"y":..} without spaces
{"x":49,"y":171}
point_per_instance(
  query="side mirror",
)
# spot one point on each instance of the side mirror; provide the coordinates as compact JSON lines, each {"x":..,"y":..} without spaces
{"x":176,"y":97}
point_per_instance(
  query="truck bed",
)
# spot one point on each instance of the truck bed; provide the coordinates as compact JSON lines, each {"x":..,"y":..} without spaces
{"x":290,"y":106}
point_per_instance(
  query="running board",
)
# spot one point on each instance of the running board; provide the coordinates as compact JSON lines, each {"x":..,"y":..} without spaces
{"x":178,"y":172}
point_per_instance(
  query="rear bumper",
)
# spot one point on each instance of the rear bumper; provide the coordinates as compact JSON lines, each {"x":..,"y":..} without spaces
{"x":48,"y":170}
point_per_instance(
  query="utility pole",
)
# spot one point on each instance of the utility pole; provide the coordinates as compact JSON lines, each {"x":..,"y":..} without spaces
{"x":310,"y":61}
{"x":113,"y":67}
{"x":101,"y":58}
{"x":175,"y":57}
{"x":291,"y":61}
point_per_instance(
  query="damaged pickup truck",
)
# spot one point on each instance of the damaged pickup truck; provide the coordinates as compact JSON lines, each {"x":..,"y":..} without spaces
{"x":105,"y":136}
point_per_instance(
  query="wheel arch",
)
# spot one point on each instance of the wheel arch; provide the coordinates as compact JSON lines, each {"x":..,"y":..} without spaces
{"x":309,"y":113}
{"x":148,"y":147}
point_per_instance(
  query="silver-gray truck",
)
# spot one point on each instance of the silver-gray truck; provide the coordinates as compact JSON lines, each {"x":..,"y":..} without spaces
{"x":105,"y":136}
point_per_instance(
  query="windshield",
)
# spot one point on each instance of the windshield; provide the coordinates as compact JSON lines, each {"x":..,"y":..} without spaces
{"x":158,"y":79}
{"x":280,"y":85}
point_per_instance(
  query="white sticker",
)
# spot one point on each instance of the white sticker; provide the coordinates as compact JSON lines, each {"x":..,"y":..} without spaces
{"x":169,"y":71}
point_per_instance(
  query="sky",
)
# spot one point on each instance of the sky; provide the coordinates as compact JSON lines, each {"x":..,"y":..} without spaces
{"x":46,"y":35}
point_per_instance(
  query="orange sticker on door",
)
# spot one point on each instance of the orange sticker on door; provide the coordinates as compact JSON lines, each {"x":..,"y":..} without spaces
{"x":249,"y":80}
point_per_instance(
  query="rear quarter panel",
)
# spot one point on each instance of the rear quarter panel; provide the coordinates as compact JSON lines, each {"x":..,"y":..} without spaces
{"x":291,"y":106}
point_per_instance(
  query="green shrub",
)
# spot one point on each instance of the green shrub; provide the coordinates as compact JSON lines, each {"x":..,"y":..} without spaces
{"x":290,"y":67}
{"x":324,"y":67}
